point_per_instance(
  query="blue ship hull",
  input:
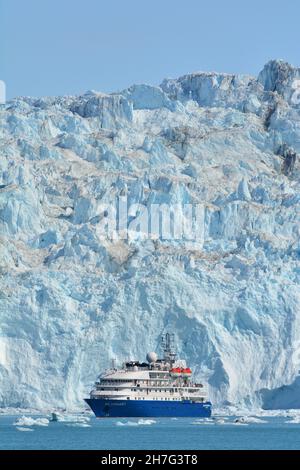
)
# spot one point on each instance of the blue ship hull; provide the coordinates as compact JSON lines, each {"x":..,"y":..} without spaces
{"x":148,"y":408}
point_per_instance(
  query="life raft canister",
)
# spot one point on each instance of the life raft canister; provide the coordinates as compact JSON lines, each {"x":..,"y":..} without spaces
{"x":175,"y":372}
{"x":186,"y":372}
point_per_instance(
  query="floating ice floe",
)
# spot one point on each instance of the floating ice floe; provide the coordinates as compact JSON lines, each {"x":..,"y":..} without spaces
{"x":23,"y":429}
{"x":204,"y":421}
{"x":249,"y":420}
{"x":220,"y":421}
{"x":28,"y":421}
{"x":78,"y":425}
{"x":140,"y":422}
{"x":295,"y":420}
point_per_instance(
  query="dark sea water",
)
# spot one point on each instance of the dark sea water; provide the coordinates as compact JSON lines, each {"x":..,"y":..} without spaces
{"x":182,"y":433}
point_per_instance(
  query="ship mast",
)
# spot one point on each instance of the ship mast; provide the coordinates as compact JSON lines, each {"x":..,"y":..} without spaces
{"x":167,"y":344}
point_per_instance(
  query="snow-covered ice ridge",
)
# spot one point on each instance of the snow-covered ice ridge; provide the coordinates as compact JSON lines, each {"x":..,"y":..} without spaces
{"x":71,"y":302}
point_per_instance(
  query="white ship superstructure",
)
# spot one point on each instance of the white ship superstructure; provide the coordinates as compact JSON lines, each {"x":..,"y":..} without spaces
{"x":153,"y":382}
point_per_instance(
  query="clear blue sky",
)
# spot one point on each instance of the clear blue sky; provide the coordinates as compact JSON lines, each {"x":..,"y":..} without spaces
{"x":52,"y":47}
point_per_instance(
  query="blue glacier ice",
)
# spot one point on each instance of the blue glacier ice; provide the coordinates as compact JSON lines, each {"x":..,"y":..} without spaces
{"x":71,"y":301}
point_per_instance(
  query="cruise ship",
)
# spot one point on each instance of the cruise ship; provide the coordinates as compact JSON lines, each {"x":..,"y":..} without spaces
{"x":156,"y":388}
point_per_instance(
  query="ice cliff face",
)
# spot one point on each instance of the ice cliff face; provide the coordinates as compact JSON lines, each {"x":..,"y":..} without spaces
{"x":70,"y":301}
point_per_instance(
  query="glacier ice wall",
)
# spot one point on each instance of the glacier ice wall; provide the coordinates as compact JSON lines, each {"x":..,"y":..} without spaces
{"x":70,"y":302}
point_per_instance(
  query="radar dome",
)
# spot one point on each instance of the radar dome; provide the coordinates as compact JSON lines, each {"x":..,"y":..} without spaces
{"x":151,"y":357}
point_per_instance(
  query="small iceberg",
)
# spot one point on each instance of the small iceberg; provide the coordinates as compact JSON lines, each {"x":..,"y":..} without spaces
{"x":28,"y":421}
{"x":23,"y":429}
{"x":140,"y":422}
{"x":78,"y":425}
{"x":294,"y":420}
{"x":240,"y":422}
{"x":220,"y":421}
{"x":204,"y":421}
{"x":249,"y":420}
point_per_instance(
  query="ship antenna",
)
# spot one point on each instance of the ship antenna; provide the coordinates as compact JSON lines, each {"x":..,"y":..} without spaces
{"x":167,"y":344}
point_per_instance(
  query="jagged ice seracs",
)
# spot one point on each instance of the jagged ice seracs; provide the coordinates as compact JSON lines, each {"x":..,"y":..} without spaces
{"x":71,"y":302}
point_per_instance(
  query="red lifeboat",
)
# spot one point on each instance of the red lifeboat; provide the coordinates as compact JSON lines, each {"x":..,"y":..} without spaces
{"x":186,"y":372}
{"x":175,"y":372}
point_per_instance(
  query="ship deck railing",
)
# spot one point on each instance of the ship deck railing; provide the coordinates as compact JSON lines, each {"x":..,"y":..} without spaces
{"x":138,"y":392}
{"x":148,"y":384}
